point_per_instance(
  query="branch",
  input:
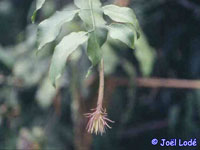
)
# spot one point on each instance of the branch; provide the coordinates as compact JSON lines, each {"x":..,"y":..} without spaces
{"x":152,"y":82}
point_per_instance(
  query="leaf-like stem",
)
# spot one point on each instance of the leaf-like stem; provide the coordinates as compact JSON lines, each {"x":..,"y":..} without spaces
{"x":101,"y":66}
{"x":92,"y":14}
{"x":101,"y":84}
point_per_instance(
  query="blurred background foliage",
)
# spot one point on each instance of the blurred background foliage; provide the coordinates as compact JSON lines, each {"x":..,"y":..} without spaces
{"x":34,"y":115}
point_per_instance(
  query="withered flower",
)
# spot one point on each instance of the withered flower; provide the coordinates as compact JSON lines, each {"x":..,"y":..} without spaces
{"x":98,"y":121}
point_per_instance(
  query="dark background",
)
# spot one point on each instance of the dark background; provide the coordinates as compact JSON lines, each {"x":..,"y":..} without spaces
{"x":30,"y":121}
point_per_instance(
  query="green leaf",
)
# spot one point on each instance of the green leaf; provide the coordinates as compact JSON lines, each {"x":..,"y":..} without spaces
{"x":101,"y":35}
{"x":90,"y":9}
{"x":89,"y":72}
{"x":7,"y":58}
{"x":111,"y":59}
{"x":123,"y":33}
{"x":145,"y":55}
{"x":85,"y":4}
{"x":122,"y":14}
{"x":49,"y":29}
{"x":39,"y":4}
{"x":68,"y":45}
{"x":45,"y":94}
{"x":86,"y":17}
{"x":96,"y":39}
{"x":93,"y":50}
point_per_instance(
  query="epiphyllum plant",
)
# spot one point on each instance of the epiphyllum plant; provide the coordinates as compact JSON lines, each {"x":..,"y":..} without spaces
{"x":123,"y":27}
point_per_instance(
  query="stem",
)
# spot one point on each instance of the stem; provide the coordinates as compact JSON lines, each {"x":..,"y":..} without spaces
{"x":101,"y":84}
{"x":92,"y":14}
{"x":101,"y":66}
